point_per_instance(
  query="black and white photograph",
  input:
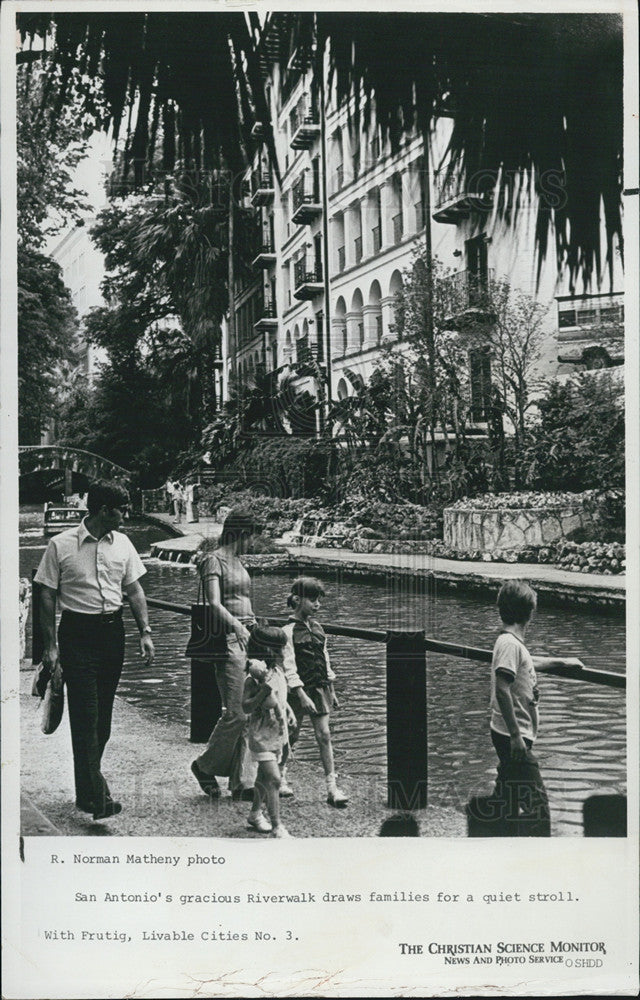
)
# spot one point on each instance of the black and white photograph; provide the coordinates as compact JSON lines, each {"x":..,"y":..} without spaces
{"x":320,"y":456}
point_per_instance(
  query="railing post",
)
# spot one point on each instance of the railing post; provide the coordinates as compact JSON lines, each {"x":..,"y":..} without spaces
{"x":37,"y":638}
{"x":407,"y":759}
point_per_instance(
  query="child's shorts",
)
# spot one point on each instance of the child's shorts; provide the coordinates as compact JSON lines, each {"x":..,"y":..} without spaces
{"x":321,"y":698}
{"x":279,"y":757}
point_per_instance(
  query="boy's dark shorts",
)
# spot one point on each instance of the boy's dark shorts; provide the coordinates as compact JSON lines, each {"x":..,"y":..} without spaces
{"x":321,"y":698}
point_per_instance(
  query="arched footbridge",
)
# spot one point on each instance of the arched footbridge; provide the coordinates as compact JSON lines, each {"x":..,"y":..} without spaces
{"x":38,"y":458}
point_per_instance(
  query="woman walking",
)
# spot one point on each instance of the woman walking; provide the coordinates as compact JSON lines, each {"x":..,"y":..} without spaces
{"x":227,"y":587}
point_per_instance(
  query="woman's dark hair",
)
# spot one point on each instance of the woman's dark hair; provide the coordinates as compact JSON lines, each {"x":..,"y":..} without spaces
{"x":304,"y":586}
{"x":105,"y":493}
{"x":236,"y":524}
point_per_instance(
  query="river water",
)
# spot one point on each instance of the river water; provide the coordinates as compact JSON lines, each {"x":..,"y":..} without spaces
{"x":582,"y":744}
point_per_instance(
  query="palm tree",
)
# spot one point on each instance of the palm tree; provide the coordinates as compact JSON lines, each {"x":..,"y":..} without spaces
{"x":516,"y":86}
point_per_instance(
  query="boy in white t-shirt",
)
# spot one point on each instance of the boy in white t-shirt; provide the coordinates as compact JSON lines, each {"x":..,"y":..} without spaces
{"x":519,"y":791}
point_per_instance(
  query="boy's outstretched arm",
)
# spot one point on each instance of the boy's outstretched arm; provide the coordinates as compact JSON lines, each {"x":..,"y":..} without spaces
{"x":505,"y":701}
{"x":543,"y":663}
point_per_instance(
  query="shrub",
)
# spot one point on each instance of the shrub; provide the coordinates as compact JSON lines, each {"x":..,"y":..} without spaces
{"x":577,"y":440}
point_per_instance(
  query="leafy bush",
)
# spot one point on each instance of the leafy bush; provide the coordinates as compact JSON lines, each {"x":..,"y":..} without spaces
{"x":284,"y":467}
{"x":577,"y":440}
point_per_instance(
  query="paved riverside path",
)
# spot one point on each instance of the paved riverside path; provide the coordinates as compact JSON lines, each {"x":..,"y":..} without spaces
{"x":549,"y":580}
{"x":147,"y":766}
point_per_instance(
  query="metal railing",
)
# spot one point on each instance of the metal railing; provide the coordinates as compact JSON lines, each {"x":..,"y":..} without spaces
{"x":306,"y":270}
{"x":304,"y":113}
{"x":469,"y":289}
{"x":305,"y":191}
{"x":406,"y":693}
{"x":261,"y":180}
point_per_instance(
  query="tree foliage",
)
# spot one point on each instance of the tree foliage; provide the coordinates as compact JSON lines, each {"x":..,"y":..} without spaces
{"x":46,"y":331}
{"x":47,"y":321}
{"x":515,"y":85}
{"x":576,"y":441}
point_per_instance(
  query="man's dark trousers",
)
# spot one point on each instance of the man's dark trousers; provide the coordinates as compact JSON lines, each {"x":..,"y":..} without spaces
{"x":91,"y":656}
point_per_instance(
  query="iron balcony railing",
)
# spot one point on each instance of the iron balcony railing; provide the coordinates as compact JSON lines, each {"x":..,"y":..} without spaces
{"x":307,"y":271}
{"x":304,"y":123}
{"x":305,"y":191}
{"x":261,"y":179}
{"x":457,"y":194}
{"x":470,"y":289}
{"x":267,"y":313}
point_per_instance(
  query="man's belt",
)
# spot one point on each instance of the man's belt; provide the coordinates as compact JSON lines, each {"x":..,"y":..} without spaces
{"x":102,"y":618}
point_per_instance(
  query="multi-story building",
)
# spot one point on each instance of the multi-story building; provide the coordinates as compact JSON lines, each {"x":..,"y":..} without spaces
{"x":339,"y":227}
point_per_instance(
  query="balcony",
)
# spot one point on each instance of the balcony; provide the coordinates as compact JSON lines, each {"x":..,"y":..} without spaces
{"x":304,"y":124}
{"x":308,"y":281}
{"x":306,"y":200}
{"x":268,"y":319}
{"x":469,"y":296}
{"x":591,"y":329}
{"x":265,"y":256}
{"x":262,"y":189}
{"x":456,"y":197}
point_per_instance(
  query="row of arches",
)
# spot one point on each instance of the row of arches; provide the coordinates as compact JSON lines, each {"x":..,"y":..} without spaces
{"x":363,"y":325}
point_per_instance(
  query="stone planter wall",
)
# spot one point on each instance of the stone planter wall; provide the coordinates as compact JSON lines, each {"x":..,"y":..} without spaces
{"x":491,"y":530}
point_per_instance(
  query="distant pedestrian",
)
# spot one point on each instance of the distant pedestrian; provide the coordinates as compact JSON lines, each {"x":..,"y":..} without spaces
{"x":169,"y":490}
{"x":265,"y":702}
{"x":307,"y":649}
{"x":84,"y":570}
{"x":520,"y":798}
{"x":191,"y":502}
{"x":178,"y":501}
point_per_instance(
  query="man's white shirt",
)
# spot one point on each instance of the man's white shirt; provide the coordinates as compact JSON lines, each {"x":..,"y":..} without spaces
{"x":88,"y":574}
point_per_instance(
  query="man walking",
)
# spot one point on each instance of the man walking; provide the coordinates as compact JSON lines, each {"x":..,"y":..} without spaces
{"x":85,"y":570}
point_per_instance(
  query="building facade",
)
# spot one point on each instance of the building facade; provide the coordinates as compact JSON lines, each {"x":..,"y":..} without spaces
{"x":336,"y":232}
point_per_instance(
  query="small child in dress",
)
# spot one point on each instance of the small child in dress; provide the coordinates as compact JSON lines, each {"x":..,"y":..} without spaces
{"x":307,"y":647}
{"x":264,"y":700}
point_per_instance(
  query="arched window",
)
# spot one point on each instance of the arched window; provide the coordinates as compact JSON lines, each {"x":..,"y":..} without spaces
{"x":375,"y":297}
{"x":358,"y":317}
